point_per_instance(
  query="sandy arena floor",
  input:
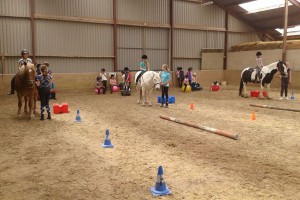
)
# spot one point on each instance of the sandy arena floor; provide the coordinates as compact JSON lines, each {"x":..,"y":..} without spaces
{"x":61,"y":159}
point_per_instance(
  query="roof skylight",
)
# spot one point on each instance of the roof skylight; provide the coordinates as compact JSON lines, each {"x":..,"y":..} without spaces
{"x":290,"y":31}
{"x":262,"y":5}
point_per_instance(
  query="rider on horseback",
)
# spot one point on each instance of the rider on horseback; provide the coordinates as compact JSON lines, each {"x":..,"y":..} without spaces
{"x":144,"y":66}
{"x":23,"y":61}
{"x":258,"y":67}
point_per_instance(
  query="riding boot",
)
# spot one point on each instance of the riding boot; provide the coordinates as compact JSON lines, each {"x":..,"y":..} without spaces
{"x":42,"y":113}
{"x":49,"y":115}
{"x":48,"y":111}
{"x":162,"y":103}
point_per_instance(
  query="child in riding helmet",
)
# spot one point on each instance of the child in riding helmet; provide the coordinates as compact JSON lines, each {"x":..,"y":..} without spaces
{"x":23,"y":61}
{"x":259,"y":65}
{"x":144,"y":66}
{"x":44,"y":84}
{"x":165,"y":81}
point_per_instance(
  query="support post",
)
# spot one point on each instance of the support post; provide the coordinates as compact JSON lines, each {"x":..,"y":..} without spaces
{"x":115,"y":35}
{"x":225,"y":41}
{"x":32,"y":25}
{"x":286,"y":12}
{"x":171,"y":34}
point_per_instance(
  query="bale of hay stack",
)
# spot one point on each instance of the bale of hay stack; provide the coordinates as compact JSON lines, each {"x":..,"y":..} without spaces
{"x":250,"y":46}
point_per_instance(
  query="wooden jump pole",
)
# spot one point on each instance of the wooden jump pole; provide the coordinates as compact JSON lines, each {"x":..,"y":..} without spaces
{"x":202,"y":127}
{"x":275,"y":108}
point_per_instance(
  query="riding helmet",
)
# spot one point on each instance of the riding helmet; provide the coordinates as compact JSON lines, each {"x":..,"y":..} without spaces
{"x":258,"y":53}
{"x":24,"y":51}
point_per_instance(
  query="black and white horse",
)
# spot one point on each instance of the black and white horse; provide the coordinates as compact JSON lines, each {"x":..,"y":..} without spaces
{"x":266,"y":76}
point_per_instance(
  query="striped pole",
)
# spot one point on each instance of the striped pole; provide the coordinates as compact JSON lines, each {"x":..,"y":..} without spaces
{"x":202,"y":127}
{"x":275,"y":108}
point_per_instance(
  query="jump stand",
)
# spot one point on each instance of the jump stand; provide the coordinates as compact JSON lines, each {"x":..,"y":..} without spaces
{"x":171,"y":99}
{"x":255,"y":93}
{"x":60,"y":108}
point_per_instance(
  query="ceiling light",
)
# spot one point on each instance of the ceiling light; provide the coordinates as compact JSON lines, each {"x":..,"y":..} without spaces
{"x":263,"y":5}
{"x":207,"y":3}
{"x":290,"y":31}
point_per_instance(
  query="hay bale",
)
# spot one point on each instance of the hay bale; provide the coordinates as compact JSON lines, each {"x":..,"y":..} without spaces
{"x":250,"y":46}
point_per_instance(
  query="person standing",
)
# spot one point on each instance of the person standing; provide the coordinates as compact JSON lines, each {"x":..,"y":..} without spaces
{"x":44,"y":83}
{"x":104,"y":79}
{"x":128,"y":78}
{"x":165,"y":82}
{"x":286,"y":80}
{"x":189,"y":74}
{"x":23,"y":61}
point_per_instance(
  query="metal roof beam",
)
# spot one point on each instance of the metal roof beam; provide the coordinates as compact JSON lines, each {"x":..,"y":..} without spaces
{"x":295,"y":3}
{"x":244,"y":20}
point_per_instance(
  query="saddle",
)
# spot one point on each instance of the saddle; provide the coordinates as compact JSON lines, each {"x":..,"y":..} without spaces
{"x":139,"y":76}
{"x":257,"y":75}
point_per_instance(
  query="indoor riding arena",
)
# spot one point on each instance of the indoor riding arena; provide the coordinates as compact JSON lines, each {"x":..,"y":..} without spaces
{"x":228,"y":130}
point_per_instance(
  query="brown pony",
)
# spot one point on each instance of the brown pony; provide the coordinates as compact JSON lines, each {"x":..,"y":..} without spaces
{"x":26,"y":87}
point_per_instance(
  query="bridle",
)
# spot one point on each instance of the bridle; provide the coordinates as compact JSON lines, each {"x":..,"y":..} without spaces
{"x":278,"y":67}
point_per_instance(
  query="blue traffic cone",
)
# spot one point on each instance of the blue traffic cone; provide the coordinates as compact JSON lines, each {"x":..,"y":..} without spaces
{"x":292,"y":96}
{"x":107,"y":142}
{"x":78,"y":118}
{"x":160,"y":188}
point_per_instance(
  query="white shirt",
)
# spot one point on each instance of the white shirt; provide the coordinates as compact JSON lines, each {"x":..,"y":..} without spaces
{"x":103,"y":76}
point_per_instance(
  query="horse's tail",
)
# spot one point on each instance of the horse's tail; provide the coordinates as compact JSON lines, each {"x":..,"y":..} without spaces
{"x":241,"y":87}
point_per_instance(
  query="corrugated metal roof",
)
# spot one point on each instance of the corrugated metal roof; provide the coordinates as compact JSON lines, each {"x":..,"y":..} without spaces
{"x":76,"y":8}
{"x":189,"y":13}
{"x":73,"y":39}
{"x":15,"y":8}
{"x":78,"y":65}
{"x":15,"y":35}
{"x":236,"y":38}
{"x":265,"y":21}
{"x":144,"y":10}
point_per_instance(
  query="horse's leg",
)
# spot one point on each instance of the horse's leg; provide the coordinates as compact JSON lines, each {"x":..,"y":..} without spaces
{"x":138,"y":88}
{"x":261,"y":96}
{"x":31,"y":105}
{"x":34,"y":104}
{"x":19,"y":105}
{"x":34,"y":101}
{"x":143,"y":96}
{"x":149,"y":97}
{"x":25,"y":104}
{"x":268,"y":91}
{"x":245,"y":92}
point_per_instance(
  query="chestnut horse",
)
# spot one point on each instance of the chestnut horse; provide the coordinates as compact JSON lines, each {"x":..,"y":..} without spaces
{"x":25,"y":87}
